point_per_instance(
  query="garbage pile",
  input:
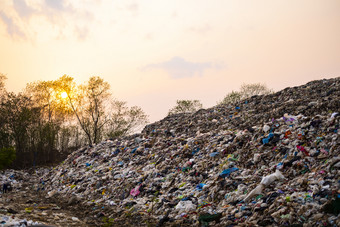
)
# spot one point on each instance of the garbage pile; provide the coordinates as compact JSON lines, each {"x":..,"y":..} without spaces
{"x":268,"y":160}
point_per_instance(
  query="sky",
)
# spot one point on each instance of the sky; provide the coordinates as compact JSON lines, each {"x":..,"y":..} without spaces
{"x":154,"y":52}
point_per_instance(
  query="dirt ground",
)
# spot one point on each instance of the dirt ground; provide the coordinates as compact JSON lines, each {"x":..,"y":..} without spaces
{"x":28,"y":203}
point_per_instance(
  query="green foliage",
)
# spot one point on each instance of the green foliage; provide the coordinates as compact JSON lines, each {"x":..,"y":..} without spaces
{"x":246,"y":91}
{"x":19,"y":115}
{"x":232,"y":97}
{"x":186,"y":106}
{"x":7,"y":156}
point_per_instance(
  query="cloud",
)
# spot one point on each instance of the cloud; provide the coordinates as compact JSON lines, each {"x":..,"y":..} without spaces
{"x":55,"y":4}
{"x":12,"y":28}
{"x":66,"y":19}
{"x":81,"y":33}
{"x":178,"y":67}
{"x":58,"y":11}
{"x":23,"y":9}
{"x":133,"y":8}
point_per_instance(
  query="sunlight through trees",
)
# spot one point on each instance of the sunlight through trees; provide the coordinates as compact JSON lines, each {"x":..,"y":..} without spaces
{"x":49,"y":119}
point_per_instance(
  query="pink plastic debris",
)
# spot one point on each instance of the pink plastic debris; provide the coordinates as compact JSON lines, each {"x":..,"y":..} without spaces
{"x":135,"y":191}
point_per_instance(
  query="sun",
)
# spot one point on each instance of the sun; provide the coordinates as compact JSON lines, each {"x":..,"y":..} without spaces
{"x":64,"y":95}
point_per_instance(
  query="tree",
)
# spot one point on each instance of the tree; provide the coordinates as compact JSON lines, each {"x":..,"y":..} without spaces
{"x":232,"y":97}
{"x":7,"y":152}
{"x":246,"y":91}
{"x":2,"y":83}
{"x":89,"y":107}
{"x":4,"y":135}
{"x":53,"y":116}
{"x":97,"y":114}
{"x":7,"y":156}
{"x":47,"y":96}
{"x":185,"y":106}
{"x":249,"y":90}
{"x":19,"y":124}
{"x":54,"y":113}
{"x":124,"y":120}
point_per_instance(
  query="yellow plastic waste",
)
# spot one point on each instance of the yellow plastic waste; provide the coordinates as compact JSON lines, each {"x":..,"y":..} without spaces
{"x":29,"y":209}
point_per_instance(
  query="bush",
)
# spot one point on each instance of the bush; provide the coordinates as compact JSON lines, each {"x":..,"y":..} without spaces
{"x":232,"y":97}
{"x":249,"y":90}
{"x":186,"y":106}
{"x":246,"y":91}
{"x":7,"y":156}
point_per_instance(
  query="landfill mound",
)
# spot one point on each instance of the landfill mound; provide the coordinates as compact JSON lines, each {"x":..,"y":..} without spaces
{"x":267,"y":160}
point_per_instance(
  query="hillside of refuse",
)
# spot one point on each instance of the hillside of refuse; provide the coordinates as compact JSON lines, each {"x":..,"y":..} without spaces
{"x":265,"y":161}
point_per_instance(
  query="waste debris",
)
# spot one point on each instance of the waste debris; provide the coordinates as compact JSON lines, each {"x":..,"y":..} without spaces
{"x":267,"y":160}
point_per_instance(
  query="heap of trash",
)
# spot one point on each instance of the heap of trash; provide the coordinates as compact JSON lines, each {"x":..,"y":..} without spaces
{"x":267,"y":160}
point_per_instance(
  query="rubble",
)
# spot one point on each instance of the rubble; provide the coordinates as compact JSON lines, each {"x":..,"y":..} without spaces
{"x":268,"y":160}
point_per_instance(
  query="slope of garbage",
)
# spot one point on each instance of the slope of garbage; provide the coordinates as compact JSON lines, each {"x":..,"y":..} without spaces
{"x":265,"y":161}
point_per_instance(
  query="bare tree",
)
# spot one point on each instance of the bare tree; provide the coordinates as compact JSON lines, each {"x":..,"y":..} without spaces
{"x":88,"y":105}
{"x":124,"y":120}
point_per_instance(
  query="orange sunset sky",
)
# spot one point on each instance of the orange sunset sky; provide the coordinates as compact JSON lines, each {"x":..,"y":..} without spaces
{"x":153,"y":52}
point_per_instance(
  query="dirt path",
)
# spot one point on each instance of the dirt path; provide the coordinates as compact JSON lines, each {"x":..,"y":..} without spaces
{"x":29,"y":204}
{"x":26,"y":203}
